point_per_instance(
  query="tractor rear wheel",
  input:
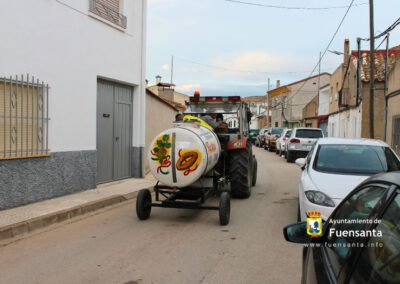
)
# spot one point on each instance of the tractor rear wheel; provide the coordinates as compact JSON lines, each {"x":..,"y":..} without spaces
{"x":241,"y":172}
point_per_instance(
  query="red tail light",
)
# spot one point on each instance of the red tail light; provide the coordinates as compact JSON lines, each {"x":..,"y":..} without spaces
{"x":293,"y":140}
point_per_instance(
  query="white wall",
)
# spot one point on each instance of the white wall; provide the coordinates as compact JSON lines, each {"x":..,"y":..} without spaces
{"x":323,"y":106}
{"x":68,"y":49}
{"x":333,"y":125}
{"x":346,"y":124}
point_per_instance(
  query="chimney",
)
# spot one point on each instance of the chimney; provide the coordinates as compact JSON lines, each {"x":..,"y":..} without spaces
{"x":158,"y":79}
{"x":196,"y":93}
{"x":346,"y":52}
{"x":278,"y":83}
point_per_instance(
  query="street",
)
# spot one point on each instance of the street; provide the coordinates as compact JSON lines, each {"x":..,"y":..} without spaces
{"x":173,"y":246}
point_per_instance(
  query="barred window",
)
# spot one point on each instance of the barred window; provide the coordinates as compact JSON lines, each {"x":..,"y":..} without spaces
{"x":108,"y":10}
{"x":23,"y":118}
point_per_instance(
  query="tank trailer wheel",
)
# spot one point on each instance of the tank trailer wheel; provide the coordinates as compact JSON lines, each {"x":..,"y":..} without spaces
{"x":224,"y":208}
{"x":143,"y":204}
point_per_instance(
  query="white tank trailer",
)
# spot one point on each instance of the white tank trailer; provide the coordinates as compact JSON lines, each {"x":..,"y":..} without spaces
{"x":181,"y":155}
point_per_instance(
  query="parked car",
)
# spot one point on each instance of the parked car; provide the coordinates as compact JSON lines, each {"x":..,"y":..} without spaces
{"x":281,"y":142}
{"x":260,"y":140}
{"x":253,"y":135}
{"x":300,"y":142}
{"x":335,"y":166}
{"x":352,"y":258}
{"x":271,"y":136}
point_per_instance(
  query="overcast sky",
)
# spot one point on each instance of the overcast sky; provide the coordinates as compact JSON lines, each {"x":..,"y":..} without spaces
{"x":205,"y":34}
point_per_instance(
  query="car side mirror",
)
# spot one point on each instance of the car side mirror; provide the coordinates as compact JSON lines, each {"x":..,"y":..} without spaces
{"x":296,"y":233}
{"x":301,"y":162}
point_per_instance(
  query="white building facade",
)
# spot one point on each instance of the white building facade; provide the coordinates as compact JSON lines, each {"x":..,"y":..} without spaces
{"x":91,"y":53}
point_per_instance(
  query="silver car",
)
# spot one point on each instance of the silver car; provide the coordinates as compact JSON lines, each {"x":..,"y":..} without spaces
{"x":301,"y":141}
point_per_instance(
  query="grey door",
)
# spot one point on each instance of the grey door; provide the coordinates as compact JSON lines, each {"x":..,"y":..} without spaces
{"x":114,"y":131}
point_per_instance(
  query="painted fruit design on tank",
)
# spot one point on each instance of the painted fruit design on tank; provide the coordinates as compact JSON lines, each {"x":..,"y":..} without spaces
{"x":162,"y":153}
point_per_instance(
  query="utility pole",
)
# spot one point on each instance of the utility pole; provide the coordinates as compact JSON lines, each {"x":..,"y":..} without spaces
{"x":372,"y":70}
{"x":172,"y":69}
{"x":319,"y":81}
{"x":386,"y":87}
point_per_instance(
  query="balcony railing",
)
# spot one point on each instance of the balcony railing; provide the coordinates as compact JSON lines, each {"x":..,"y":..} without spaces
{"x":102,"y":10}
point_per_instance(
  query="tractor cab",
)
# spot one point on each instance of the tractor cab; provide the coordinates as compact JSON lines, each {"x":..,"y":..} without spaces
{"x":231,"y":114}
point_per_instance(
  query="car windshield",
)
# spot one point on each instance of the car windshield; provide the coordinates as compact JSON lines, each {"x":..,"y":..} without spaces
{"x":276,"y":130}
{"x":288,"y":133}
{"x":355,"y":159}
{"x":308,"y":133}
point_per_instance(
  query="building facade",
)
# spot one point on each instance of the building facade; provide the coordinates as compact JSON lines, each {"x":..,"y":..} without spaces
{"x":350,"y":101}
{"x":259,"y":109}
{"x":73,"y":99}
{"x":393,"y":108}
{"x":287,"y":102}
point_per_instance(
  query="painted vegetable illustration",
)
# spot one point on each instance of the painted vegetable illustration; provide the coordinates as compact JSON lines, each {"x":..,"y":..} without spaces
{"x":161,"y":153}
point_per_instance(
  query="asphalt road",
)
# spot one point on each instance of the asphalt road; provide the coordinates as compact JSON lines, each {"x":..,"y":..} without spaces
{"x":174,"y":245}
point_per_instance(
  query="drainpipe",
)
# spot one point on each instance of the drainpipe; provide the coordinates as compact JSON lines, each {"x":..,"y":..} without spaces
{"x":142,"y":118}
{"x":386,"y":87}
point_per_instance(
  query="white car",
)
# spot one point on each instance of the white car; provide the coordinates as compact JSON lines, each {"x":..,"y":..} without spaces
{"x":335,"y":166}
{"x":300,"y":142}
{"x":281,"y":142}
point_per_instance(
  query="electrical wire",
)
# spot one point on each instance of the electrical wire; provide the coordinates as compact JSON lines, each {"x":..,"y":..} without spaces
{"x":292,"y":8}
{"x":388,"y":30}
{"x":238,"y":70}
{"x":326,"y":49}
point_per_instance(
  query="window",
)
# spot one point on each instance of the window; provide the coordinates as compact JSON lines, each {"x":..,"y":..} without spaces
{"x":23,"y":118}
{"x":108,"y":10}
{"x":359,"y":206}
{"x":380,"y":260}
{"x":308,"y":133}
{"x":355,"y":159}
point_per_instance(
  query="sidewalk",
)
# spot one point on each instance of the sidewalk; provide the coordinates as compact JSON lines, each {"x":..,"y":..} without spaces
{"x":24,"y":219}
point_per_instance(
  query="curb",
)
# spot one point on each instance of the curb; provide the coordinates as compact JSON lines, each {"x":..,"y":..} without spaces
{"x":40,"y":222}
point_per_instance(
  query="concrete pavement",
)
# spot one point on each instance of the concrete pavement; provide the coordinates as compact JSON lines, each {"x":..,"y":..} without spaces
{"x":21,"y":220}
{"x":174,"y":245}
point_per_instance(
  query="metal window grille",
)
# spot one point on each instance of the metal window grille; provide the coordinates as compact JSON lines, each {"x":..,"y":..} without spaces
{"x":24,"y":118}
{"x":103,"y":9}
